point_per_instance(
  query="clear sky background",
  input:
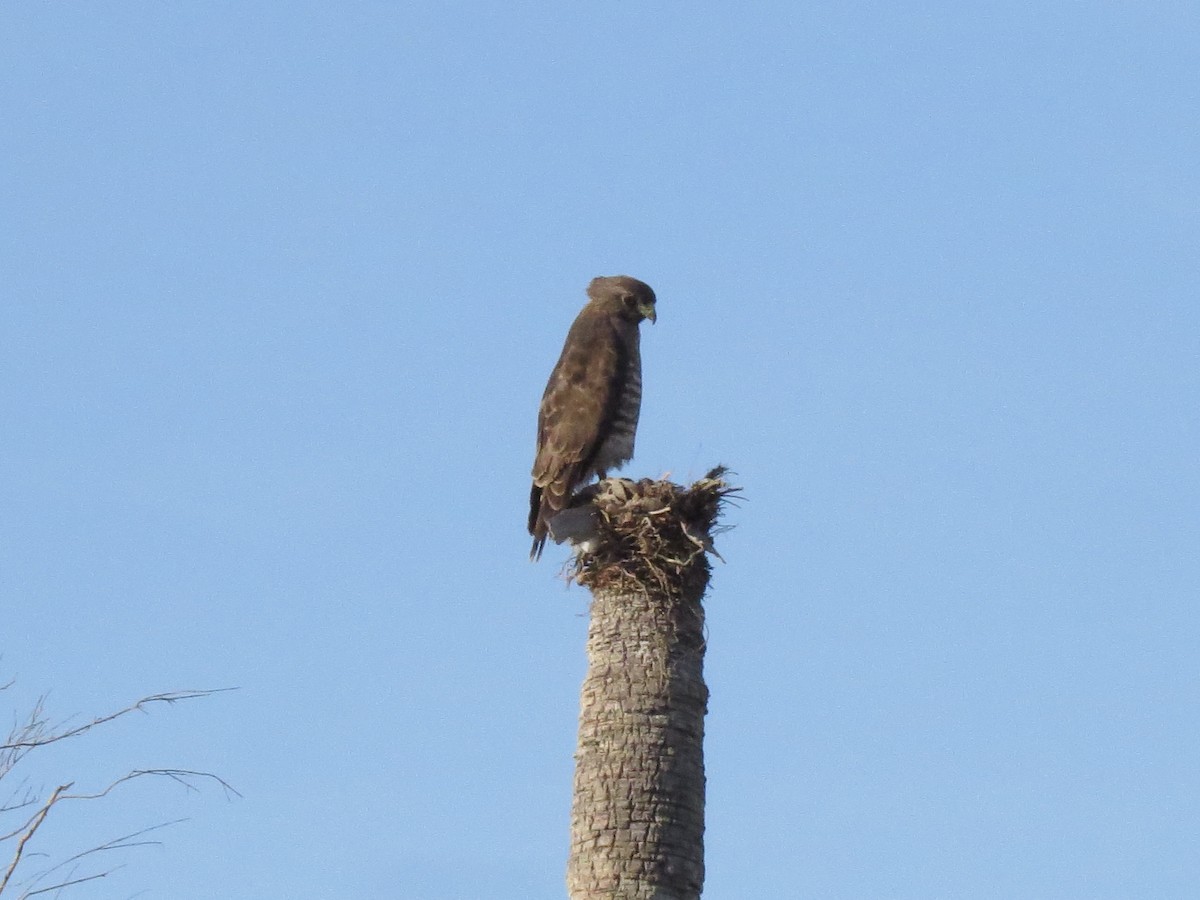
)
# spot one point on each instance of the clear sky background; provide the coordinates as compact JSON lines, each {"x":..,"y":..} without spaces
{"x":280,"y":286}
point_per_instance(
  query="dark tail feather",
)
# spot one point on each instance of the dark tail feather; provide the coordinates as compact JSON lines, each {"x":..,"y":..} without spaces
{"x":535,"y":507}
{"x":537,"y":527}
{"x":535,"y":552}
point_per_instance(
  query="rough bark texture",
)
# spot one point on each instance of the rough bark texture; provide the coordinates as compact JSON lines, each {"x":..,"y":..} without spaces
{"x":637,"y":823}
{"x":637,"y":820}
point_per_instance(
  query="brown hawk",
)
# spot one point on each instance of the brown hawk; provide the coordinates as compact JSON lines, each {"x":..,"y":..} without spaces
{"x":589,"y":412}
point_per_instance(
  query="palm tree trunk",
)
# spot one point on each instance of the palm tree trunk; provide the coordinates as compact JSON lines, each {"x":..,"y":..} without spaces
{"x":637,"y":819}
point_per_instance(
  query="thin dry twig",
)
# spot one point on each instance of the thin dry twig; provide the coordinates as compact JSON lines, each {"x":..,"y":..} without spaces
{"x":65,"y":884}
{"x":38,"y":818}
{"x":25,"y":742}
{"x":33,"y":732}
{"x":181,"y":776}
{"x":185,"y":777}
{"x":121,"y":843}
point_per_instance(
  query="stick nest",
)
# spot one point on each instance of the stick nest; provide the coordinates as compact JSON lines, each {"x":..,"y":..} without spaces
{"x":644,"y":534}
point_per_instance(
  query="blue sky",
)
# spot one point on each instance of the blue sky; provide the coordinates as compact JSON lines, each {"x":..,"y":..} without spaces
{"x":282,"y":283}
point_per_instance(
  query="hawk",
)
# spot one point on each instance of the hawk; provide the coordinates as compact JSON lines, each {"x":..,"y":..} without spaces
{"x":589,"y":412}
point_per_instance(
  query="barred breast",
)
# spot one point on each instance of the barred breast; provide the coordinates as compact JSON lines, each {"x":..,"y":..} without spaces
{"x":617,"y":448}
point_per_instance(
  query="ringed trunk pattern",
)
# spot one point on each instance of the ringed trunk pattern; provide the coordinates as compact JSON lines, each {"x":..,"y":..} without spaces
{"x":637,"y":817}
{"x":637,"y":822}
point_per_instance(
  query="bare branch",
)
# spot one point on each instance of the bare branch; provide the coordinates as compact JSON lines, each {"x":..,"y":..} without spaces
{"x":28,"y":798}
{"x":63,"y":884}
{"x":28,"y":741}
{"x":185,"y":777}
{"x":34,"y":824}
{"x":124,"y":842}
{"x":182,"y":776}
{"x":34,"y":731}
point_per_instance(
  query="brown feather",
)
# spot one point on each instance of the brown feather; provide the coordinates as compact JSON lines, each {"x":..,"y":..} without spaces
{"x":590,"y":405}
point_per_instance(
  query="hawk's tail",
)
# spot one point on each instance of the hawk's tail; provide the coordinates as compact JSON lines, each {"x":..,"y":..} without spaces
{"x":537,"y":524}
{"x":539,"y":543}
{"x":544,"y":504}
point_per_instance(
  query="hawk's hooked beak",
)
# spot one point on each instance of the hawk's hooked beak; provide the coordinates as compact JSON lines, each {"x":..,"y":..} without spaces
{"x":647,"y":310}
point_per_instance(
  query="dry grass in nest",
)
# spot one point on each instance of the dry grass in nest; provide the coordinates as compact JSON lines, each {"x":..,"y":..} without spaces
{"x":645,"y":534}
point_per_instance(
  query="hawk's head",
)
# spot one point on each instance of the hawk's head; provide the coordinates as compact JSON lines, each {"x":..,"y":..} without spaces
{"x":627,"y":297}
